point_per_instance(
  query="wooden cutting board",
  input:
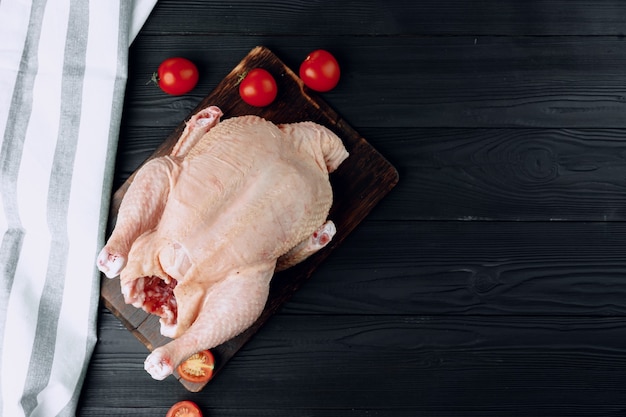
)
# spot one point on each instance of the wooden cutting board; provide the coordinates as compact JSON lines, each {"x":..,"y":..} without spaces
{"x":359,"y":184}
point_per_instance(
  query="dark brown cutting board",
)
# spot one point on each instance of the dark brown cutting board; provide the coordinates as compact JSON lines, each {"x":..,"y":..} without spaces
{"x":359,"y":184}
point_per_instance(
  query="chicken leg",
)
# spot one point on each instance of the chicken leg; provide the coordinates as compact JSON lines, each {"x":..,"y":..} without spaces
{"x":146,"y":197}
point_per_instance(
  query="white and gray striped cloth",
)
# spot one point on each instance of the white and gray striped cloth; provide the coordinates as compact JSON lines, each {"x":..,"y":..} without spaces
{"x":63,"y":68}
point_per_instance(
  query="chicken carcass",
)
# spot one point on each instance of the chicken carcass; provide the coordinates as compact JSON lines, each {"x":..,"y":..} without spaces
{"x":201,"y":231}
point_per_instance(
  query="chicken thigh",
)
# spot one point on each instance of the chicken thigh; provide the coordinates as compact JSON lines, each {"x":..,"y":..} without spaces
{"x":201,"y":231}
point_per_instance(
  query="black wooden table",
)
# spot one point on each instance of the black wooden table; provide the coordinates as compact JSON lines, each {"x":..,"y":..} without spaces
{"x":492,"y":280}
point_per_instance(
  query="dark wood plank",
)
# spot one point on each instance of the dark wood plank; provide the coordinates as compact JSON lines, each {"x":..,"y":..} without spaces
{"x":475,"y":174}
{"x":391,"y":17}
{"x":480,"y":268}
{"x":393,"y":365}
{"x":504,"y":174}
{"x":475,"y":268}
{"x":358,"y":185}
{"x":562,"y":82}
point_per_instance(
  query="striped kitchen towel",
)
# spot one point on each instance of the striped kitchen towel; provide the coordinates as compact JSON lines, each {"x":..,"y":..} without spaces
{"x":63,"y":67}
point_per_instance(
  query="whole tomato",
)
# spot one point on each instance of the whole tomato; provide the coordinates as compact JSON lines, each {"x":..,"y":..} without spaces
{"x":176,"y":76}
{"x":320,"y":71}
{"x":258,"y":88}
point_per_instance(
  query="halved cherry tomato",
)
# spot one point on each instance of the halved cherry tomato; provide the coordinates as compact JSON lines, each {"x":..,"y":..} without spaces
{"x":320,"y":71}
{"x":184,"y":409}
{"x":198,"y":367}
{"x":176,"y":76}
{"x":258,"y":88}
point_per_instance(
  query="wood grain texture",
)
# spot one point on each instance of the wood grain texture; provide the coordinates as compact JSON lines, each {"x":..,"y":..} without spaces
{"x":359,"y":184}
{"x":505,"y":174}
{"x":484,"y":174}
{"x":555,"y":82}
{"x":490,"y":365}
{"x":391,"y":17}
{"x":473,"y":268}
{"x":490,"y":281}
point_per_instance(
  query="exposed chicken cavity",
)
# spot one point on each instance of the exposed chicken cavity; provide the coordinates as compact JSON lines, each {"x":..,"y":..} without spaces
{"x":155,"y":296}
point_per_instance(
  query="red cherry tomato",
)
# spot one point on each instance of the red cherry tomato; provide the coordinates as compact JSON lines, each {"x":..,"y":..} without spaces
{"x":177,"y":76}
{"x":184,"y":409}
{"x":258,"y":88}
{"x":320,"y":71}
{"x":198,"y":367}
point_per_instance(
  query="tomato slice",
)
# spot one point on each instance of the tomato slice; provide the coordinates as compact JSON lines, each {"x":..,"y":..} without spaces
{"x":184,"y":409}
{"x":198,"y":367}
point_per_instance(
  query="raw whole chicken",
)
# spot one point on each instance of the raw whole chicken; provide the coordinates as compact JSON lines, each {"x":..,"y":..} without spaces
{"x":200,"y":232}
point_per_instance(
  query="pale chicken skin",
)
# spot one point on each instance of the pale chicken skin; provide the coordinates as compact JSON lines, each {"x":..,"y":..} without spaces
{"x":200,"y":232}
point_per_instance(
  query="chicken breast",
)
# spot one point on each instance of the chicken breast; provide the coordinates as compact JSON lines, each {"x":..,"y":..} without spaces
{"x":200,"y":232}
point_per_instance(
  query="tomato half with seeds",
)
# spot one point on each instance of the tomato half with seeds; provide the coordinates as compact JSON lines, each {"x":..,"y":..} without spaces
{"x":198,"y":367}
{"x":320,"y":71}
{"x":258,"y":88}
{"x":184,"y":409}
{"x":176,"y":76}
